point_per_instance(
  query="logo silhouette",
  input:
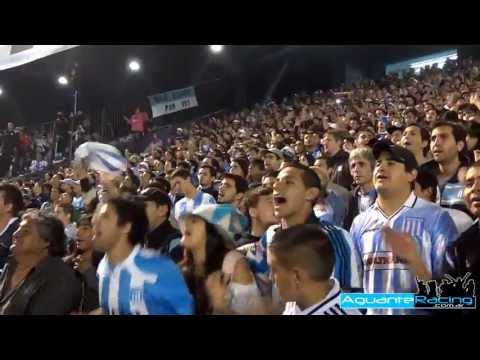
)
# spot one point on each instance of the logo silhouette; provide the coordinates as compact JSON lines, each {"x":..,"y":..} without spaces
{"x":460,"y":287}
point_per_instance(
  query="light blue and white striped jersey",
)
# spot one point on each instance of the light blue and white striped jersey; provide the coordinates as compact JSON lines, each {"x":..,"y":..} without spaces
{"x":429,"y":225}
{"x":145,"y":283}
{"x":347,"y":268}
{"x":185,"y":206}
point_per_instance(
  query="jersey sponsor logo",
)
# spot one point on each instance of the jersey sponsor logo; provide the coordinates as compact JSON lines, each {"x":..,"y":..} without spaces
{"x":384,"y":261}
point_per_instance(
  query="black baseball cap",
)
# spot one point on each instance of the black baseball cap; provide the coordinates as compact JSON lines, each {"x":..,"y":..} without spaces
{"x":156,"y":195}
{"x":397,"y":153}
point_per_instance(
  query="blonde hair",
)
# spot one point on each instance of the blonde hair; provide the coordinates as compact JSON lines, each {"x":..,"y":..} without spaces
{"x":362,"y":153}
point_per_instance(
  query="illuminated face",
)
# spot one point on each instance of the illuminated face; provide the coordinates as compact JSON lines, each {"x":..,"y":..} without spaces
{"x":443,"y":145}
{"x":361,"y":171}
{"x":227,"y":191}
{"x":289,"y":193}
{"x":471,"y":191}
{"x":330,"y":145}
{"x":412,"y":139}
{"x":390,"y":176}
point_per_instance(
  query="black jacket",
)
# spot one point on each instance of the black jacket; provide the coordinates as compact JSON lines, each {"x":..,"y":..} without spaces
{"x":210,"y":190}
{"x":165,"y":238}
{"x":340,"y":169}
{"x":464,"y":256}
{"x":353,"y":210}
{"x":51,"y":288}
{"x":6,"y":241}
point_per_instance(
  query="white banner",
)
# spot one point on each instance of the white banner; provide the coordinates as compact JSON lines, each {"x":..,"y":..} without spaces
{"x":16,"y":55}
{"x":173,"y":101}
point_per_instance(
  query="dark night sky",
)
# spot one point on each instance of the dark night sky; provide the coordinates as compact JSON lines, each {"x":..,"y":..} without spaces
{"x":238,"y":76}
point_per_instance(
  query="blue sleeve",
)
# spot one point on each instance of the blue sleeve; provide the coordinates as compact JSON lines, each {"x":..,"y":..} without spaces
{"x":170,"y":292}
{"x":211,"y":199}
{"x":444,"y":233}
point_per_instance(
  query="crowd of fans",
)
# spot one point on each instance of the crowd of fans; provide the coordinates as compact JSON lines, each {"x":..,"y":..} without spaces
{"x":275,"y":209}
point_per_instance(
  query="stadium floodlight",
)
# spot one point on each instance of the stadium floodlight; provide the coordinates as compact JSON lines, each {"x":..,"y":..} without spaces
{"x":62,"y":80}
{"x":216,"y":48}
{"x":134,"y":66}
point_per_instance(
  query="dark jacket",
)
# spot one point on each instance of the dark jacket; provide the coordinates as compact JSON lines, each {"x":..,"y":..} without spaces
{"x":464,"y":256}
{"x":451,"y":193}
{"x":340,"y":169}
{"x":166,"y":239}
{"x":51,"y":288}
{"x":6,"y":241}
{"x":210,"y":190}
{"x":353,"y":211}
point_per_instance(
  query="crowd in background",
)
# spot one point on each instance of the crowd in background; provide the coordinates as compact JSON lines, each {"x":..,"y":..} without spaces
{"x":274,"y":209}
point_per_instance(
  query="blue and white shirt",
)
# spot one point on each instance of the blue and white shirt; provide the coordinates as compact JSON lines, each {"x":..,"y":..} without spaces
{"x":330,"y":305}
{"x":347,"y":268}
{"x":430,"y":226}
{"x":145,"y":283}
{"x":185,"y":206}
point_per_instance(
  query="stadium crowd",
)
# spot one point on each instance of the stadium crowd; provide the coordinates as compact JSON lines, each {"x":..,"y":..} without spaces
{"x":277,"y":209}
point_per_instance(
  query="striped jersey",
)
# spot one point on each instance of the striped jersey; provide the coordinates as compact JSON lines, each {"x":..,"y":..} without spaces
{"x":347,"y":268}
{"x":430,"y":226}
{"x":328,"y":306}
{"x":145,"y":283}
{"x":185,"y":206}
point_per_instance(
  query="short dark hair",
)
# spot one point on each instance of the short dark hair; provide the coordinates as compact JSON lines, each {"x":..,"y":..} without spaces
{"x":67,"y":209}
{"x":160,"y":183}
{"x":85,"y":220}
{"x":13,"y":196}
{"x":307,"y":247}
{"x":258,"y":163}
{"x":184,"y":165}
{"x":213,"y":171}
{"x":181,"y":173}
{"x":215,"y":164}
{"x":412,"y":111}
{"x":51,"y":230}
{"x":159,"y":197}
{"x":337,"y":134}
{"x":243,"y":164}
{"x":459,"y":132}
{"x":133,"y":212}
{"x":424,"y":133}
{"x":427,"y":179}
{"x":253,"y":195}
{"x":364,"y":129}
{"x":309,"y":177}
{"x":241,"y":185}
{"x":449,"y":116}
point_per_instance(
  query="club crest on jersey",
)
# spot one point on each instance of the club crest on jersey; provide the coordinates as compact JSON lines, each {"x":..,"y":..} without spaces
{"x":414,"y":226}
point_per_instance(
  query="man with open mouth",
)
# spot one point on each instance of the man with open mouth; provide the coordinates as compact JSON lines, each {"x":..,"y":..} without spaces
{"x":295,"y":192}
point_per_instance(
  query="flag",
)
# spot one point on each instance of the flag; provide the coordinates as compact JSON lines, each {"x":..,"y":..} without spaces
{"x":101,"y":157}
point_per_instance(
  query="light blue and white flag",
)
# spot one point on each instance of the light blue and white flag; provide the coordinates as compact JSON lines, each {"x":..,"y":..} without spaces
{"x":101,"y":157}
{"x":173,"y":101}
